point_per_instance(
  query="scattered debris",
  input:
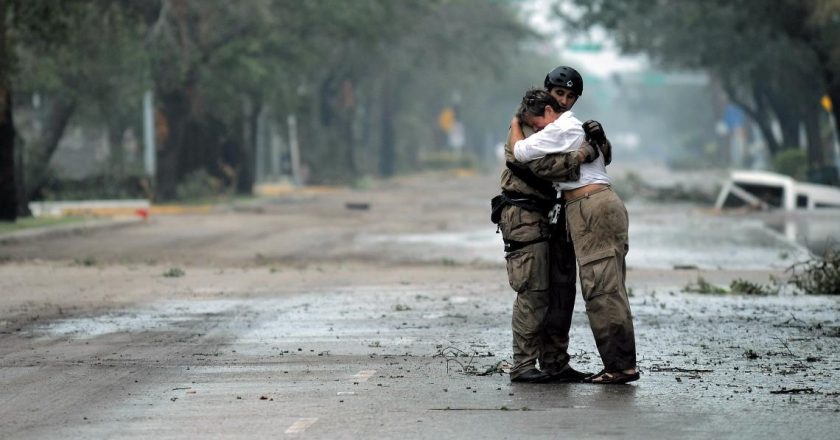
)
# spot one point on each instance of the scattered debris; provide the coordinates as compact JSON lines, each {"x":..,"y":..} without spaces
{"x":819,"y":275}
{"x":357,"y":206}
{"x":750,"y":354}
{"x":451,"y":354}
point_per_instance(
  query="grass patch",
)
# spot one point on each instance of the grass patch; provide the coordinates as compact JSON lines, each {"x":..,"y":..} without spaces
{"x":174,"y":272}
{"x":36,"y":222}
{"x":703,"y":286}
{"x":749,"y":288}
{"x":738,"y":286}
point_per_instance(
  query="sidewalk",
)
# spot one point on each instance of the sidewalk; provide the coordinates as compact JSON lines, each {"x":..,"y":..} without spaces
{"x":62,"y":230}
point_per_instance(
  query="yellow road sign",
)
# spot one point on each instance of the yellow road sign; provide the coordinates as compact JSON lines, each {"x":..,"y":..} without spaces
{"x":446,"y":120}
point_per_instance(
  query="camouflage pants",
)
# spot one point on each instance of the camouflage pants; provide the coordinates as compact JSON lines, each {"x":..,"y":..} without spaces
{"x":543,"y":275}
{"x":598,"y":225}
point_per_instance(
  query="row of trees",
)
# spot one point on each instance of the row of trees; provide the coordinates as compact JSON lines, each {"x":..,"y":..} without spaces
{"x":776,"y":60}
{"x":355,"y":73}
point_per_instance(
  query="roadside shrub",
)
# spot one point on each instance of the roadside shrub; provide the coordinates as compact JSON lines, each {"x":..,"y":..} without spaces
{"x":199,"y":184}
{"x":792,"y":162}
{"x":94,"y":187}
{"x":819,"y":275}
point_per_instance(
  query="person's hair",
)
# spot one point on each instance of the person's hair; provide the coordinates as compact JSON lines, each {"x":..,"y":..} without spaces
{"x":534,"y":102}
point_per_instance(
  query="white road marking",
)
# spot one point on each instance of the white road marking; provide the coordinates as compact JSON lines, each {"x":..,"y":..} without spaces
{"x":364,"y":375}
{"x":301,"y":425}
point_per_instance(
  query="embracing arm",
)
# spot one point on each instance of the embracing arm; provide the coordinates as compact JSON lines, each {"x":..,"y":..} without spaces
{"x":563,"y":167}
{"x":555,"y":167}
{"x":561,"y":136}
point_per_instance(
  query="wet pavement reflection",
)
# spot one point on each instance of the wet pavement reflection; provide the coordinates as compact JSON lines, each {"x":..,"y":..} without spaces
{"x":661,"y":236}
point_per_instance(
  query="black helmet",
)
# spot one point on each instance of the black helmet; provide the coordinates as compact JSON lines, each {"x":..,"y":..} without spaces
{"x":564,"y":76}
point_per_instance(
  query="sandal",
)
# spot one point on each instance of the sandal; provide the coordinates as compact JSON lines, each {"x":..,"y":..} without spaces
{"x":613,"y":377}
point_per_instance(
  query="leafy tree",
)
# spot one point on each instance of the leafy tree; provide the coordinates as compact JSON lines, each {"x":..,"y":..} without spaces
{"x":22,"y":20}
{"x":97,"y":72}
{"x":765,"y":58}
{"x":365,"y":78}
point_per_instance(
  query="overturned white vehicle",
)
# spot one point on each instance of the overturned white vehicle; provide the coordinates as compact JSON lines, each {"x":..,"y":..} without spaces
{"x":806,"y":213}
{"x":765,"y":190}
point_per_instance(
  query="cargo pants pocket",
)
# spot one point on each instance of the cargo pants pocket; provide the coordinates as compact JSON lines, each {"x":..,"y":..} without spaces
{"x":528,"y":268}
{"x":599,"y":274}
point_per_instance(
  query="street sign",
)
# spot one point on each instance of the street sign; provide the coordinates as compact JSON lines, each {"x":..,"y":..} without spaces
{"x":446,"y":120}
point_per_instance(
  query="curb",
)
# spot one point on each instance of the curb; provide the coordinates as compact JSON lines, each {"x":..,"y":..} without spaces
{"x":66,"y":230}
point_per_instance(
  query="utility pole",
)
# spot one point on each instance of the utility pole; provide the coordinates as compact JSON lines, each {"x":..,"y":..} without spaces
{"x":149,"y":135}
{"x":294,"y":149}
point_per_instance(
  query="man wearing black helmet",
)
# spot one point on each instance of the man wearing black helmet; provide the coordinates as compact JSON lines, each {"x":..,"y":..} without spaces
{"x":540,"y":259}
{"x":596,"y":219}
{"x":566,"y":85}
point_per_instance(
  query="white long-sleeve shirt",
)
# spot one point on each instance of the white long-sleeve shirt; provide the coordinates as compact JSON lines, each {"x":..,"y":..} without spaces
{"x":562,"y":136}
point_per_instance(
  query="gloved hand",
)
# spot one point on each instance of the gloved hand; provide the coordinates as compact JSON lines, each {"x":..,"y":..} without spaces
{"x":594,"y":132}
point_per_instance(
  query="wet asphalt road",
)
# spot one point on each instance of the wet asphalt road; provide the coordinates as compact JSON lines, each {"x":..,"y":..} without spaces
{"x":401,"y":361}
{"x":299,"y":319}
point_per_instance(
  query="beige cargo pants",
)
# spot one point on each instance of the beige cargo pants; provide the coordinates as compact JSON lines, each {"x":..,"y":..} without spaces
{"x":598,"y":226}
{"x":543,"y":275}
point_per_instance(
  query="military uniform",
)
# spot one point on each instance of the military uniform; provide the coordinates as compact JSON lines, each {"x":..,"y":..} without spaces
{"x":540,"y":264}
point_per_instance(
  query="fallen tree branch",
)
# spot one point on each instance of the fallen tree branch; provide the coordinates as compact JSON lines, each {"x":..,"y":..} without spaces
{"x":660,"y":369}
{"x":794,"y":391}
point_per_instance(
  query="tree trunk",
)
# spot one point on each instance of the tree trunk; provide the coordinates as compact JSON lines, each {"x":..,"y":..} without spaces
{"x":116,"y":151}
{"x":758,"y":114}
{"x":829,"y":75}
{"x":43,"y":149}
{"x":248,"y":146}
{"x":834,"y":95}
{"x":789,"y":116}
{"x":815,"y":147}
{"x":171,"y":125}
{"x":20,"y":176}
{"x":347,"y":115}
{"x":8,"y":181}
{"x":387,"y":163}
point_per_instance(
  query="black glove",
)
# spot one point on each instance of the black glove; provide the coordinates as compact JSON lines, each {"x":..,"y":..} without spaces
{"x":594,"y":132}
